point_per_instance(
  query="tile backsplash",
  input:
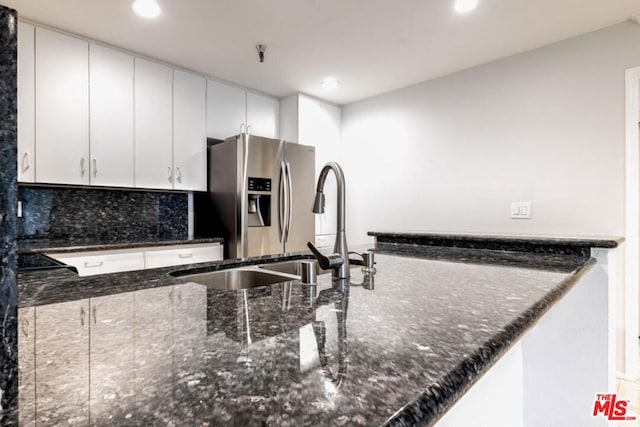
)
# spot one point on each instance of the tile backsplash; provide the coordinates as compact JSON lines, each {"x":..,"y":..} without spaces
{"x":89,"y":213}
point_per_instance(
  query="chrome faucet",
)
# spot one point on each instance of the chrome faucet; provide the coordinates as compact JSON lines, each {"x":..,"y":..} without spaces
{"x":339,"y":261}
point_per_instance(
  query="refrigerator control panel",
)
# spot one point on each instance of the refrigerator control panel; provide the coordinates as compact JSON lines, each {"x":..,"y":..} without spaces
{"x":259,"y":184}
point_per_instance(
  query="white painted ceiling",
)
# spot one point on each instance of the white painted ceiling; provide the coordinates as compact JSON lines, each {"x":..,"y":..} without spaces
{"x":371,"y":46}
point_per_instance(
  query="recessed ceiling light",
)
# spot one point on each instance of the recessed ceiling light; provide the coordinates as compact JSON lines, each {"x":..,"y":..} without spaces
{"x":329,"y":83}
{"x":146,"y":8}
{"x":464,"y":6}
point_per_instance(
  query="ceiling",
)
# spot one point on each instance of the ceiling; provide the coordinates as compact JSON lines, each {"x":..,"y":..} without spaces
{"x":371,"y":46}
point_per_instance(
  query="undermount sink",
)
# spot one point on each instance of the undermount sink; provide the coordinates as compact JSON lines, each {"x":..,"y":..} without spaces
{"x":237,"y":279}
{"x":294,"y":267}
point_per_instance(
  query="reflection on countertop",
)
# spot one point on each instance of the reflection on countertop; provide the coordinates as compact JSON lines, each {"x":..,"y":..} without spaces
{"x":146,"y":348}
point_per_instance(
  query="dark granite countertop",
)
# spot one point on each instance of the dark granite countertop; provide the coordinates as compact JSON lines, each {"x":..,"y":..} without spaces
{"x":562,"y":245}
{"x":397,"y":347}
{"x":79,"y":245}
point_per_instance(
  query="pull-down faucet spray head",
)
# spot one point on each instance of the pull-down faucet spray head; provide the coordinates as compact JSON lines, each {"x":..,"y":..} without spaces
{"x":318,"y":203}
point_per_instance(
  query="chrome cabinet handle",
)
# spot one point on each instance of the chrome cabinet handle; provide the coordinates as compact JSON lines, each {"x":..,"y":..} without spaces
{"x":169,"y":174}
{"x":185,"y":255}
{"x":249,"y":129}
{"x":25,"y":327}
{"x":95,"y":167}
{"x":82,"y":168}
{"x":94,"y":264}
{"x":289,"y":203}
{"x":179,"y":178}
{"x":82,"y":315}
{"x":243,"y":128}
{"x":25,"y":162}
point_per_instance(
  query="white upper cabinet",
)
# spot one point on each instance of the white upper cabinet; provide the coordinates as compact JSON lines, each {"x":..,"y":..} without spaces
{"x":232,"y":110}
{"x":153,"y":124}
{"x":226,"y":110}
{"x":26,"y":102}
{"x":263,"y":115}
{"x":92,"y":115}
{"x":62,"y":108}
{"x":189,"y":131}
{"x":111,"y":117}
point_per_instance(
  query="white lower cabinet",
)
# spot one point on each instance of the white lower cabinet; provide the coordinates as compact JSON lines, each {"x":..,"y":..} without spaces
{"x":103,"y":262}
{"x":178,"y":255}
{"x":62,"y":363}
{"x":91,"y":263}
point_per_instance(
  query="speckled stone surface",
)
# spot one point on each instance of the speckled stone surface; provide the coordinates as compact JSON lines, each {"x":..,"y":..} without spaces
{"x":59,"y":213}
{"x":80,"y":245}
{"x":398,"y":347}
{"x":567,"y":245}
{"x":8,"y":174}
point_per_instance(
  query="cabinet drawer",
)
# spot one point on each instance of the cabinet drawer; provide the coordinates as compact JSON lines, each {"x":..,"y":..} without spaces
{"x":178,"y":255}
{"x":103,"y":262}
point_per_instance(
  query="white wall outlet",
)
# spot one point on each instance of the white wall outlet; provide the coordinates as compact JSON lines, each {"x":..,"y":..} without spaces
{"x":521,"y":210}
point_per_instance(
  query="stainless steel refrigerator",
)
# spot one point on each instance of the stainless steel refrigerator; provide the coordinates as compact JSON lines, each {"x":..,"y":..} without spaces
{"x":260,"y":195}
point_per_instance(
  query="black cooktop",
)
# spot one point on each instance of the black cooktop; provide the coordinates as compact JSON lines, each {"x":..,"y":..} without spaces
{"x":28,"y":262}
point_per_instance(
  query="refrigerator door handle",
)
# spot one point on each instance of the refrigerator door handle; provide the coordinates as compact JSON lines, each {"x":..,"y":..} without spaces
{"x":281,"y":202}
{"x":289,"y":203}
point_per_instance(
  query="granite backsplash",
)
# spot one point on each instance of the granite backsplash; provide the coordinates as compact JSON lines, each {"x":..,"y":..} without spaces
{"x":104,"y":214}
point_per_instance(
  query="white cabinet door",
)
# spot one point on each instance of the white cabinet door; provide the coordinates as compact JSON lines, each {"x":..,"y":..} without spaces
{"x":111,"y":356}
{"x":62,"y":363}
{"x":189,"y":131}
{"x":226,"y":110}
{"x":153,"y":139}
{"x":111,"y":117}
{"x":153,"y":354}
{"x":26,"y":366}
{"x":190,"y":358}
{"x":26,"y":102}
{"x":91,"y":263}
{"x":263,"y":115}
{"x":185,"y":254}
{"x":62,"y":108}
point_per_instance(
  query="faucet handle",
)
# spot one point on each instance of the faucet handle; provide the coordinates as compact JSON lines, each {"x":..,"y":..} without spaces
{"x":328,"y":261}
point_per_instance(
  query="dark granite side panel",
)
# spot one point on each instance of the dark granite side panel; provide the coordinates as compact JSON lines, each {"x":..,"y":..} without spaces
{"x":8,"y":174}
{"x":92,"y":213}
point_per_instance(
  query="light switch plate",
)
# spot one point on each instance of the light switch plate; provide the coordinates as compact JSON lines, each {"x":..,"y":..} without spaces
{"x":521,"y":210}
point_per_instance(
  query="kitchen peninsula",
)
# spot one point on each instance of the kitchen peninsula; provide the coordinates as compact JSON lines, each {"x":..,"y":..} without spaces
{"x":442,"y":317}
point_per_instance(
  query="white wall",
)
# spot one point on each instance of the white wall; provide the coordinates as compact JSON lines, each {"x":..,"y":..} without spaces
{"x":451,"y":154}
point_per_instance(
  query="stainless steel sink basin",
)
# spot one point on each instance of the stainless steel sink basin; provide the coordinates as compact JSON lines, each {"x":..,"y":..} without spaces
{"x":294,"y":267}
{"x":237,"y":279}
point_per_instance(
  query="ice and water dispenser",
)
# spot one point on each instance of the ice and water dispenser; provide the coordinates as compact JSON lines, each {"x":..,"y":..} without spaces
{"x":259,"y":202}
